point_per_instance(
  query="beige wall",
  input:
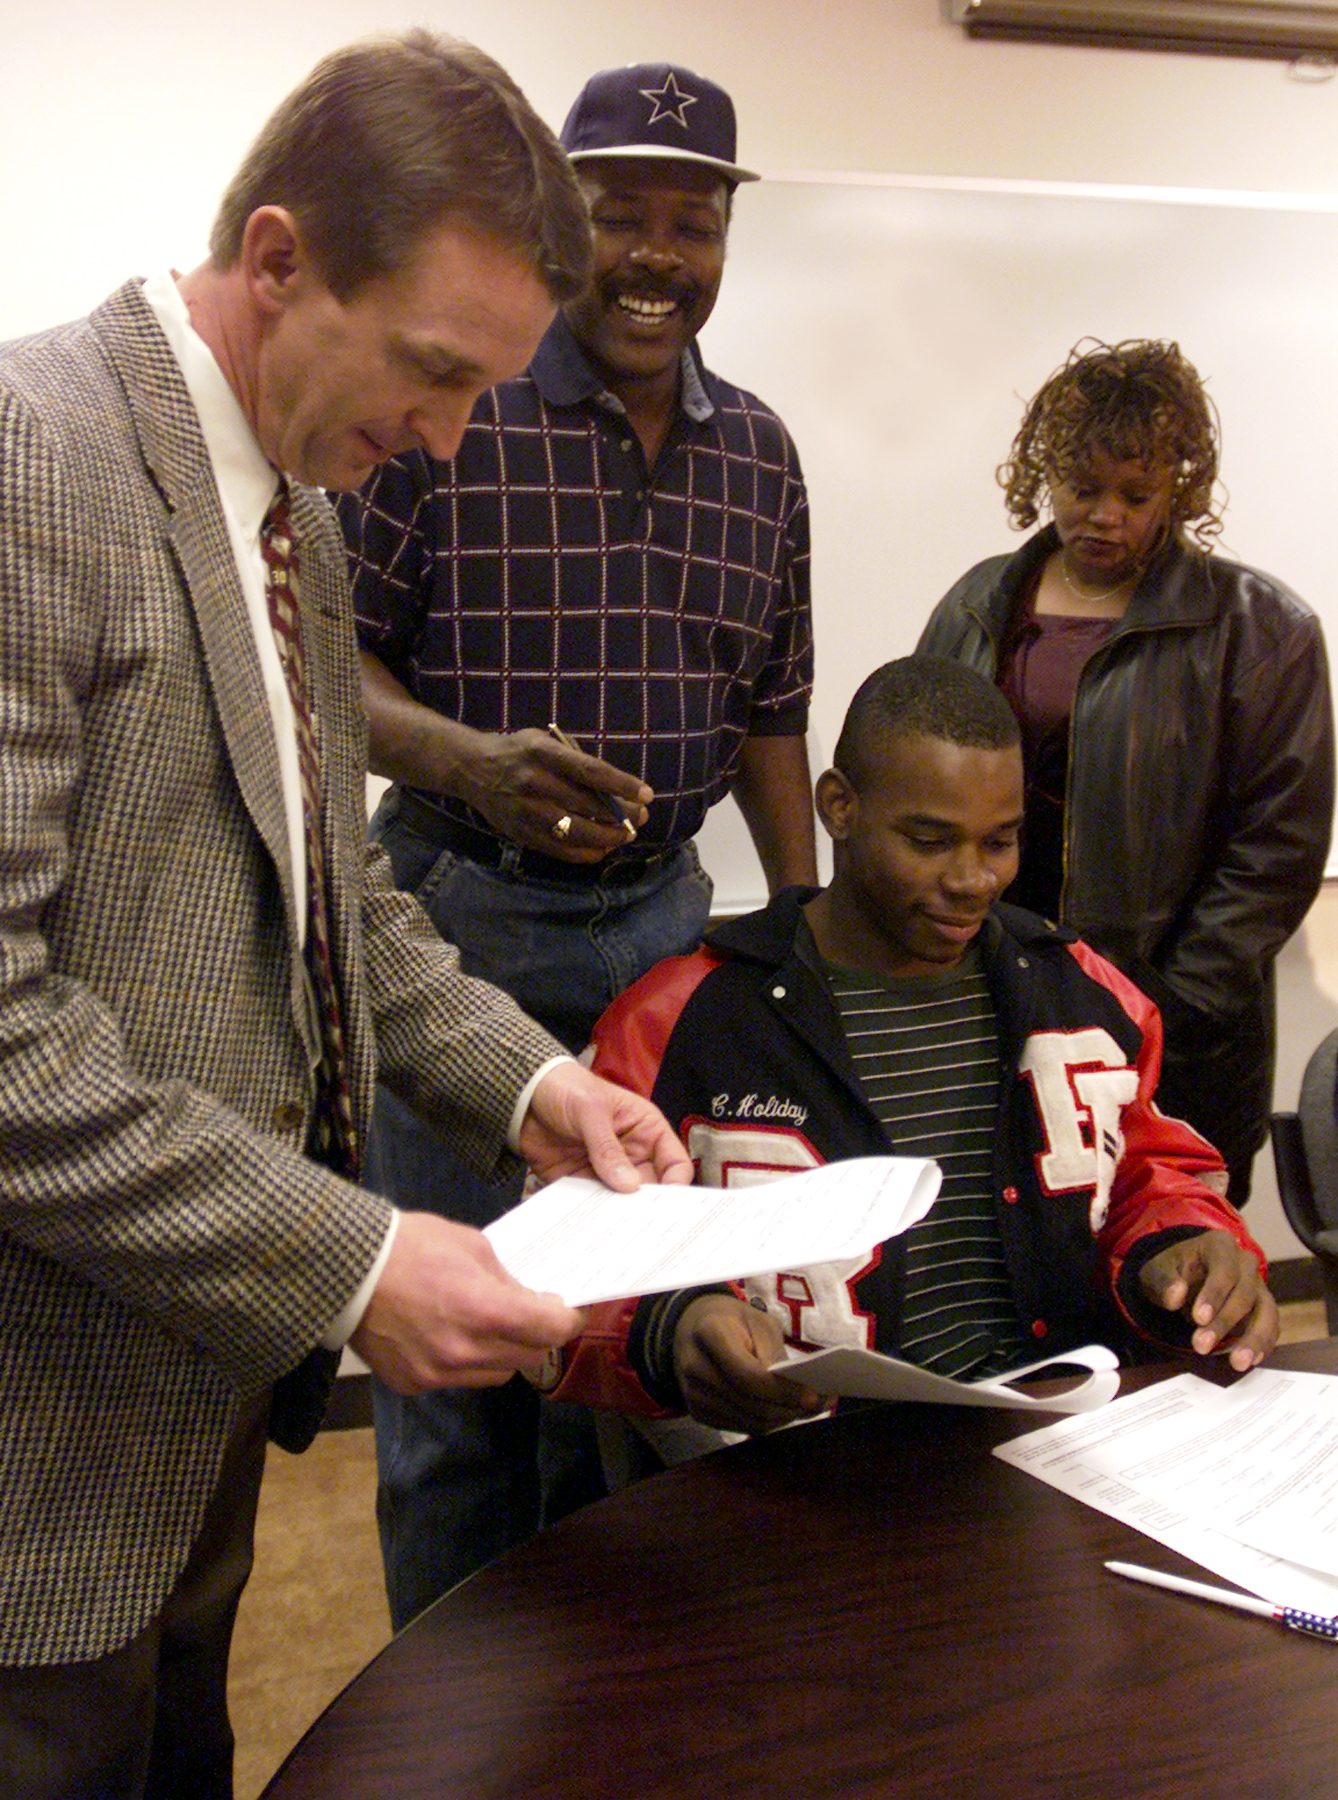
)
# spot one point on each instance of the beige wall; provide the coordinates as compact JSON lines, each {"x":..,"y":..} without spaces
{"x":119,"y":124}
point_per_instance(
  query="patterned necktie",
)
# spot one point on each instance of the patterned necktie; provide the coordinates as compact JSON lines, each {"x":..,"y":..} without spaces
{"x":335,"y":1136}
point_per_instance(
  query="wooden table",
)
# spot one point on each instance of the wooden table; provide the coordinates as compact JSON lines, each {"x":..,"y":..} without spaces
{"x":870,"y":1606}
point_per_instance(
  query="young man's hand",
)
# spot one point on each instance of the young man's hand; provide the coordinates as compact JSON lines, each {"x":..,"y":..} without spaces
{"x":1218,"y":1287}
{"x":721,"y":1351}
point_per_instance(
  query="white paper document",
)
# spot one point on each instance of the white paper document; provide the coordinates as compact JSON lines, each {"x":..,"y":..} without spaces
{"x":1243,"y":1480}
{"x":865,"y":1375}
{"x":581,"y":1240}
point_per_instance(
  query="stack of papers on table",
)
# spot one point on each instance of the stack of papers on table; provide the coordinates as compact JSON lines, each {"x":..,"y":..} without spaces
{"x":581,"y":1240}
{"x":1243,"y":1480}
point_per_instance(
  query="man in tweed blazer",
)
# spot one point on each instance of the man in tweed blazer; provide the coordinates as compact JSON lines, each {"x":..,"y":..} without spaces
{"x":168,"y":1252}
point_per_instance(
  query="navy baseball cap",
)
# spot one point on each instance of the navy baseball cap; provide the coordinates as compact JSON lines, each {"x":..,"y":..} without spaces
{"x":654,"y":110}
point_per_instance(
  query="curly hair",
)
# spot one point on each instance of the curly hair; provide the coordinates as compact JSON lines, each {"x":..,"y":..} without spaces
{"x":1139,"y":401}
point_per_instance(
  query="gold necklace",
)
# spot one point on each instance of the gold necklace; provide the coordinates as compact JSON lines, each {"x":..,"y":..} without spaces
{"x":1088,"y":597}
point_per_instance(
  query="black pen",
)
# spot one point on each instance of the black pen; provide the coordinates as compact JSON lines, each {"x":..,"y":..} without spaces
{"x":609,"y":802}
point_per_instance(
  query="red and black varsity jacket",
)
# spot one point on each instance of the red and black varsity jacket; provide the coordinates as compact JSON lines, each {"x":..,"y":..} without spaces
{"x":742,"y":1048}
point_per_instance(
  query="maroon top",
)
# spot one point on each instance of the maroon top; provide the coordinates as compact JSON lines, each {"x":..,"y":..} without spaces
{"x":1039,"y":678}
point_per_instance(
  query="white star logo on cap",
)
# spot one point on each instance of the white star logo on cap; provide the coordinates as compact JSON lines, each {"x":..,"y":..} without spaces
{"x":668,"y":102}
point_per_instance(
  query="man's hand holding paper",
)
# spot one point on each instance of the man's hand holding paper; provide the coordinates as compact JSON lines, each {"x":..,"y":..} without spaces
{"x":445,"y":1313}
{"x":577,"y":1124}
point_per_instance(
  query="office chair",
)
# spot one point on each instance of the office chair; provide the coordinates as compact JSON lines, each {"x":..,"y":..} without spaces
{"x":1305,"y":1154}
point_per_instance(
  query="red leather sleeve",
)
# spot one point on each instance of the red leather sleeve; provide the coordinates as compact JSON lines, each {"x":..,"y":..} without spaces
{"x":1168,"y":1175}
{"x":629,"y":1044}
{"x":632,"y":1038}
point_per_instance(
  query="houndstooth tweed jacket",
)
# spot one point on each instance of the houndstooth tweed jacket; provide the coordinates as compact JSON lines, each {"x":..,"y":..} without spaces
{"x":164,"y":1246}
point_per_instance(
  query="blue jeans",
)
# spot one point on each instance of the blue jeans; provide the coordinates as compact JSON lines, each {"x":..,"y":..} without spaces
{"x":465,"y":1475}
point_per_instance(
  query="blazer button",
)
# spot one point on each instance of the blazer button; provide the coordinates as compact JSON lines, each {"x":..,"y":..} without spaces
{"x":289,"y":1115}
{"x":1039,"y":1328}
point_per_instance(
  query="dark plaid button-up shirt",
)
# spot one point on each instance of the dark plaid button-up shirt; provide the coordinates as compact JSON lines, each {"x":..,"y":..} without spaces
{"x":659,"y":615}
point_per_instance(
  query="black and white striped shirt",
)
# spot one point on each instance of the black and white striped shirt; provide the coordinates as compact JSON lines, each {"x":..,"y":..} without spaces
{"x":926,"y":1051}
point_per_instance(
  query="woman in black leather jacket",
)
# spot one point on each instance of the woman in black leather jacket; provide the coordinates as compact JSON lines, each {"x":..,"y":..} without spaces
{"x":1175,"y":717}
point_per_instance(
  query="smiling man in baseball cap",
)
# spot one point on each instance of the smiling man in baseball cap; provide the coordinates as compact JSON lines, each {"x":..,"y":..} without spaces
{"x":619,"y":548}
{"x":654,"y":147}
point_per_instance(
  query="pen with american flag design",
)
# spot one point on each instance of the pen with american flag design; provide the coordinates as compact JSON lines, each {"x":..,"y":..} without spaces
{"x":1313,"y":1624}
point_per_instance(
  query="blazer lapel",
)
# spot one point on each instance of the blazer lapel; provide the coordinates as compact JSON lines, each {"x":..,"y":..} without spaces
{"x":197,"y":536}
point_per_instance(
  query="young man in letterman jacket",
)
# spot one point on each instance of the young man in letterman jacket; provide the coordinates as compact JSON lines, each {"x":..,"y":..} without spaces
{"x":901,"y":1009}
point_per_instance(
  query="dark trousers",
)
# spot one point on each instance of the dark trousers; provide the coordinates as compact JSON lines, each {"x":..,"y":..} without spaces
{"x":150,"y":1720}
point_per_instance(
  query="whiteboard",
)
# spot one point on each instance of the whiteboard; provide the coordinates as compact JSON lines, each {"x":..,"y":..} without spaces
{"x":898,"y":326}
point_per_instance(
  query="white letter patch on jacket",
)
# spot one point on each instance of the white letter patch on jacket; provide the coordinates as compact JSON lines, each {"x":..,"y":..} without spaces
{"x":814,"y":1307}
{"x":1082,"y":1082}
